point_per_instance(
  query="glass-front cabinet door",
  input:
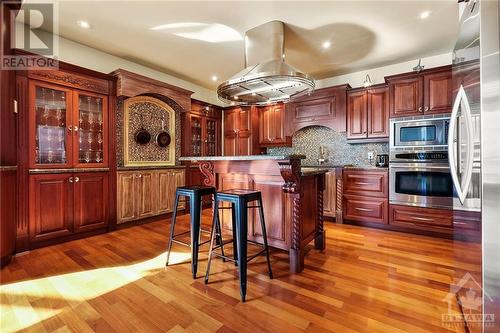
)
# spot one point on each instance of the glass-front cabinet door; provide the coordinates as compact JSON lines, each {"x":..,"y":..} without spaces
{"x":50,"y":126}
{"x":211,"y":137}
{"x":196,"y":134}
{"x":90,"y":130}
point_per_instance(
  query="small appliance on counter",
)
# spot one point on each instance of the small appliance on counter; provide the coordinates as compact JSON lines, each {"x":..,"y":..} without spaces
{"x":382,"y":161}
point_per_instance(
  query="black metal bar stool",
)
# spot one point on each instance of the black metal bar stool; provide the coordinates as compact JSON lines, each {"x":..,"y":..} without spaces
{"x":239,"y":200}
{"x":195,"y":195}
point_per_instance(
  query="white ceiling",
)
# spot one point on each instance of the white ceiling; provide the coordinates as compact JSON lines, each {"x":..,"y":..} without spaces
{"x":363,"y":34}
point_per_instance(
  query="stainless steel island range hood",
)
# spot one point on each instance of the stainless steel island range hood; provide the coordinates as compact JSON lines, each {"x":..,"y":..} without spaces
{"x":266,"y":77}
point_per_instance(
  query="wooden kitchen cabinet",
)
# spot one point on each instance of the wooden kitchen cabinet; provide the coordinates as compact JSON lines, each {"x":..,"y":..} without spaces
{"x":357,"y":114}
{"x":50,"y":202}
{"x":201,"y":130}
{"x":420,"y":218}
{"x":365,"y":195}
{"x":378,"y":112}
{"x":427,"y":92}
{"x":67,"y":127}
{"x":330,"y":194}
{"x":168,"y":181}
{"x":147,"y":193}
{"x":90,"y":200}
{"x":272,"y":126}
{"x":241,"y":131}
{"x":324,"y":107}
{"x":67,"y":203}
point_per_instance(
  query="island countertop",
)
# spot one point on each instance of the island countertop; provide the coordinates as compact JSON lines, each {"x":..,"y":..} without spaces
{"x":241,"y":158}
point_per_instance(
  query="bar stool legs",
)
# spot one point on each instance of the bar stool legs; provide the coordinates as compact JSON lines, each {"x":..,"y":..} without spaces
{"x":195,"y":211}
{"x":239,"y":204}
{"x":172,"y":228}
{"x":264,"y":235}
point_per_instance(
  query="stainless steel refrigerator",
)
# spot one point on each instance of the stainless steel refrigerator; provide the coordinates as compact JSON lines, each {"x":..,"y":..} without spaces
{"x":474,"y":156}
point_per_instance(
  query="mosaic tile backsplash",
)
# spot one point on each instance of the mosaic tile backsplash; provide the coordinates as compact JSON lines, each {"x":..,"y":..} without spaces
{"x":338,"y":151}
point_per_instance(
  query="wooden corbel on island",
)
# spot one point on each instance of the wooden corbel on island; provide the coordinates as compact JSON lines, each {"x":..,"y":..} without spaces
{"x":292,"y":199}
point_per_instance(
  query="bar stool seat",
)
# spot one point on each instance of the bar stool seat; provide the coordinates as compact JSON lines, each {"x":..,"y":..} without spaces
{"x":194,"y":194}
{"x":239,"y":199}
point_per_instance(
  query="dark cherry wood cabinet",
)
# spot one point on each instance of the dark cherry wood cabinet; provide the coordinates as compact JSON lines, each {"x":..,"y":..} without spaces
{"x":365,"y":195}
{"x":51,"y":212}
{"x":67,"y":154}
{"x":357,"y":114}
{"x":427,"y":92}
{"x":272,"y":126}
{"x":201,"y":130}
{"x":89,"y":201}
{"x":241,"y":131}
{"x":368,"y":113}
{"x":324,"y":107}
{"x":68,"y":203}
{"x":419,"y":218}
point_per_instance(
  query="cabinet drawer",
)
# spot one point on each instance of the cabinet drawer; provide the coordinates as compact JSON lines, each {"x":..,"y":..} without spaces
{"x":364,"y":209}
{"x":408,"y":216}
{"x":371,"y":183}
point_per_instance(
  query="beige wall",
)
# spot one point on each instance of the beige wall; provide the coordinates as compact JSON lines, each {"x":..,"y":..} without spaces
{"x":377,"y":74}
{"x":84,"y":56}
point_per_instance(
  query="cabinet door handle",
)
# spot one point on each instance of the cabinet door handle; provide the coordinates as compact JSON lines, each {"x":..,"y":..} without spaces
{"x":363,"y":209}
{"x":70,"y":179}
{"x":70,"y":128}
{"x":77,"y":179}
{"x":419,"y":109}
{"x":421,"y":218}
{"x":139,"y":175}
{"x":16,"y":111}
{"x":426,"y":109}
{"x":362,"y":183}
{"x":75,"y":128}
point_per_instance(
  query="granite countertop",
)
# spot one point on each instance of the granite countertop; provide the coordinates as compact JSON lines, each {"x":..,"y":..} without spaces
{"x":241,"y":158}
{"x":150,"y":167}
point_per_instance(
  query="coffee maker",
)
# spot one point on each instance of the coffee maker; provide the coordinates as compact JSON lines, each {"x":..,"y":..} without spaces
{"x":382,"y":161}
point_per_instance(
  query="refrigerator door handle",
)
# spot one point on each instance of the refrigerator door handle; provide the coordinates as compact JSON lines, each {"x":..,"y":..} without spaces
{"x":462,"y":187}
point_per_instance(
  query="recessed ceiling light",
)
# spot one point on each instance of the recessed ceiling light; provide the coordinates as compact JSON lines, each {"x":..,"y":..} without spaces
{"x":326,"y":44}
{"x":214,"y":78}
{"x":236,"y":97}
{"x":424,"y":15}
{"x":83,"y":24}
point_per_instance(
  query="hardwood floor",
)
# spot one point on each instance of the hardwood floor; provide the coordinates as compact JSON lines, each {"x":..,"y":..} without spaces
{"x":366,"y":281}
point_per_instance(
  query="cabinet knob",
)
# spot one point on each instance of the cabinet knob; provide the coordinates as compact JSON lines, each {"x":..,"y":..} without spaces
{"x":77,"y":179}
{"x":70,"y":128}
{"x":426,"y":109}
{"x":75,"y":128}
{"x":419,"y":109}
{"x":70,"y":179}
{"x":139,"y":176}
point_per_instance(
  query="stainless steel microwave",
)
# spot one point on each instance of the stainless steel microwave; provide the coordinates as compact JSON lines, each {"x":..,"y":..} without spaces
{"x":421,"y":131}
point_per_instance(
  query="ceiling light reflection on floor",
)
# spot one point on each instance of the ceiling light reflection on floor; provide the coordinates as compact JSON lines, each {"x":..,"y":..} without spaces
{"x":19,"y":313}
{"x":207,"y":32}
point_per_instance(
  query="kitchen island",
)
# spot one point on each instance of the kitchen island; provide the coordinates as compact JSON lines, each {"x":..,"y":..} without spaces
{"x":292,"y":199}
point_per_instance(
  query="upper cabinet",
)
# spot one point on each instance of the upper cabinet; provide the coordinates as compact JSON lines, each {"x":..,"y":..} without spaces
{"x":324,"y":107}
{"x":368,"y":113}
{"x":67,"y":127}
{"x":427,"y":92}
{"x":241,"y":130}
{"x":201,"y":128}
{"x":272,"y":126}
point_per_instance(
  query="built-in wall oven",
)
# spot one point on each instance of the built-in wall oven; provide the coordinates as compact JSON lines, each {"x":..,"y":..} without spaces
{"x":419,"y":173}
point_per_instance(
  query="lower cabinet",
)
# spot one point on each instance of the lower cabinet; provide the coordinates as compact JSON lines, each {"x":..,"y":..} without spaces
{"x":64,"y":204}
{"x":365,"y":209}
{"x":426,"y":219}
{"x":365,"y":195}
{"x":330,"y":194}
{"x":146,"y":193}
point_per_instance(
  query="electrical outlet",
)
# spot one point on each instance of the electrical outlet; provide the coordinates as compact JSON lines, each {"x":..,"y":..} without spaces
{"x":370,"y":155}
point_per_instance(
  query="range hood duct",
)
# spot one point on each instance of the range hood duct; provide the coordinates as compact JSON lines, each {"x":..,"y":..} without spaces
{"x":266,"y":77}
